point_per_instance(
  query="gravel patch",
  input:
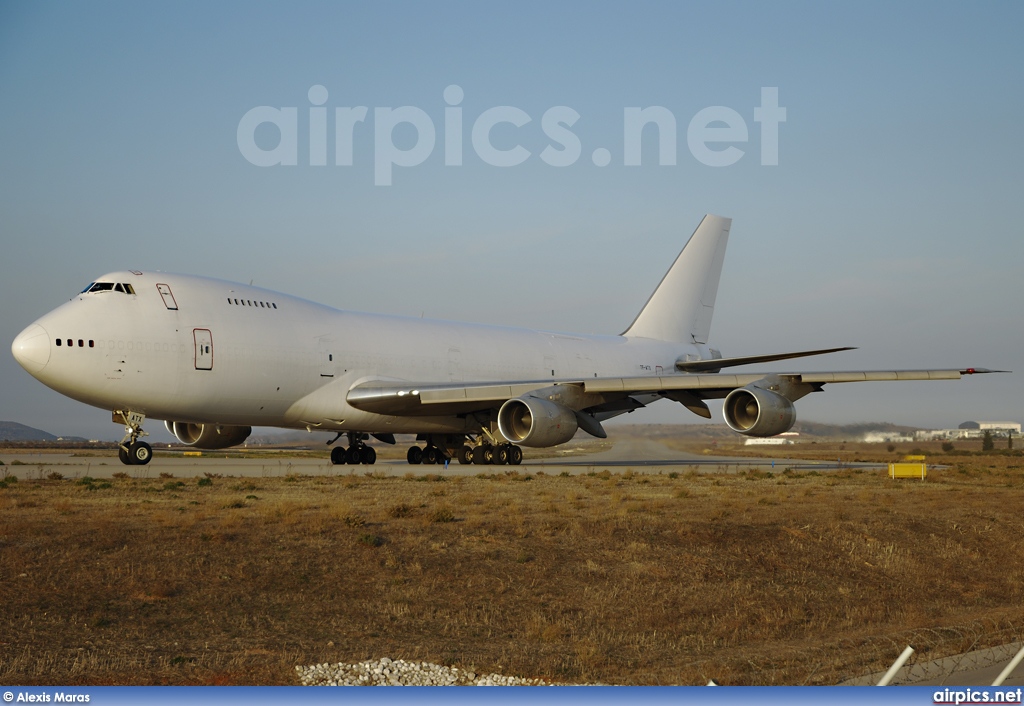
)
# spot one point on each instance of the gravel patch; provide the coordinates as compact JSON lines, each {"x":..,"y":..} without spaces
{"x":398,"y":672}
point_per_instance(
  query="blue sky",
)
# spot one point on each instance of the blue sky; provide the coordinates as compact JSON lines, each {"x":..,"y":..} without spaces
{"x":892,"y":221}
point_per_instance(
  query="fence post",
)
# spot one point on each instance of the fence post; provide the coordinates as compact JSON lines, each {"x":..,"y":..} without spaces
{"x":896,"y":666}
{"x":1009,"y":668}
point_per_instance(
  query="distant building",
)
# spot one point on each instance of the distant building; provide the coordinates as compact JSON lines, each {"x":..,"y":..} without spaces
{"x":768,"y":441}
{"x":1000,"y":426}
{"x":967,"y":430}
{"x":976,"y":430}
{"x":886,"y":437}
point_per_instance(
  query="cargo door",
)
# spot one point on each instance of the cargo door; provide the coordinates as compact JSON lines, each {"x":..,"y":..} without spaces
{"x":327,"y":366}
{"x":454,"y":365}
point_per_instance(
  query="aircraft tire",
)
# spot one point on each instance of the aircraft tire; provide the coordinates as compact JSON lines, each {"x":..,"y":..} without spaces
{"x":466,"y":455}
{"x":338,"y":455}
{"x":415,"y":455}
{"x":515,"y":455}
{"x":501,"y":455}
{"x":368,"y":455}
{"x":430,"y":455}
{"x":140,"y":453}
{"x":122,"y":454}
{"x":478,"y":456}
{"x":352,"y":456}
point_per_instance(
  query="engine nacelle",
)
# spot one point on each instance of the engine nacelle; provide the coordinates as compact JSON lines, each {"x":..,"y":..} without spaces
{"x":531,"y":421}
{"x":755,"y":411}
{"x":208,"y":436}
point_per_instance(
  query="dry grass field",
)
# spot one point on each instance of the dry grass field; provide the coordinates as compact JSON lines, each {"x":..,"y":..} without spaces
{"x":657,"y":578}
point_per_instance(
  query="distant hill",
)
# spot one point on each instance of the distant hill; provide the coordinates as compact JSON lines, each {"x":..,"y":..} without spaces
{"x":714,"y":431}
{"x":850,"y":431}
{"x":12,"y":431}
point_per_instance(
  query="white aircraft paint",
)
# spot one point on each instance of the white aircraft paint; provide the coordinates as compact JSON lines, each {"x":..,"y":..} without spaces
{"x":202,"y":351}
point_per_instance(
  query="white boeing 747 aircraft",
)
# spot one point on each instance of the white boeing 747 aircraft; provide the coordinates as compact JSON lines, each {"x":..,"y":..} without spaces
{"x":215,"y":358}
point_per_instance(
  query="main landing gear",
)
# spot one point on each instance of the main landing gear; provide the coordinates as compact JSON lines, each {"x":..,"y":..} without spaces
{"x":488,"y":454}
{"x":428,"y":455}
{"x":498,"y":455}
{"x":356,"y":453}
{"x":131,"y":451}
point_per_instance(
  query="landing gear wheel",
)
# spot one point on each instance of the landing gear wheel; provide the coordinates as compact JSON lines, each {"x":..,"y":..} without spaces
{"x":415,"y":455}
{"x":478,"y":456}
{"x":501,"y":455}
{"x":368,"y":455}
{"x":465,"y":455}
{"x":430,"y":455}
{"x":515,"y":455}
{"x":352,"y":456}
{"x":338,"y":455}
{"x":131,"y":451}
{"x":140,"y":453}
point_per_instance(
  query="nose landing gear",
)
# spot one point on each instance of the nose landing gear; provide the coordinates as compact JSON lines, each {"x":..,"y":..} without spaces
{"x":131,"y":451}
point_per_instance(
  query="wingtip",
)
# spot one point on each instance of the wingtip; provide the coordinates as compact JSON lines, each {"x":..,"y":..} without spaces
{"x":981,"y":371}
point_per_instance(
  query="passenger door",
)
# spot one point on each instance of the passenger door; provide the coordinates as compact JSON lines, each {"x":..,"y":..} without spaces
{"x":168,"y":296}
{"x":204,"y":348}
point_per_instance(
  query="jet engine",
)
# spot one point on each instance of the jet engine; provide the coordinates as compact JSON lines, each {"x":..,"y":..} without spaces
{"x":208,"y":436}
{"x":531,"y":421}
{"x":755,"y":411}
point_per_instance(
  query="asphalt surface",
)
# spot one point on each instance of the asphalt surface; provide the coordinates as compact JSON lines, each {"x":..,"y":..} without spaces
{"x":646,"y":456}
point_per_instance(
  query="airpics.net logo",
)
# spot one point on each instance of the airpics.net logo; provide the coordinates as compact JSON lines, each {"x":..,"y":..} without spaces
{"x":712,"y":134}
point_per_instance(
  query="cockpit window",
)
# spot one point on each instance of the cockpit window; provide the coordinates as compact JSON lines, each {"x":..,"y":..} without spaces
{"x":109,"y":287}
{"x":87,"y":287}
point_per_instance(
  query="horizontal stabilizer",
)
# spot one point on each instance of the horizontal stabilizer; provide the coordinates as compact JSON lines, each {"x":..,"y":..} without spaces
{"x":715,"y":364}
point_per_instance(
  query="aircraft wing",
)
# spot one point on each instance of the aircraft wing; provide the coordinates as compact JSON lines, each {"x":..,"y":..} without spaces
{"x":598,"y":395}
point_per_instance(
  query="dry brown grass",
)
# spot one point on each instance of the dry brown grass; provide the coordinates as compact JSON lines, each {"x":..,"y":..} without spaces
{"x":618,"y":578}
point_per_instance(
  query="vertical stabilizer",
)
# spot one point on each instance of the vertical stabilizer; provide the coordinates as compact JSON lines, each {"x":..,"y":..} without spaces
{"x":681,"y":307}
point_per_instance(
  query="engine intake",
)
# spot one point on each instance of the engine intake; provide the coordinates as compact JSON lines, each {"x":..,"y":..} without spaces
{"x":531,"y":421}
{"x":208,"y":436}
{"x":755,"y":411}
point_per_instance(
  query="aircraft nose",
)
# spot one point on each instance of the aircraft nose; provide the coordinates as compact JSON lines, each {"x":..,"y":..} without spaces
{"x":32,"y":348}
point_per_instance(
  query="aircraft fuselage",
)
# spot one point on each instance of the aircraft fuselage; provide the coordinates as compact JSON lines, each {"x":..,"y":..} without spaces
{"x":194,"y":349}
